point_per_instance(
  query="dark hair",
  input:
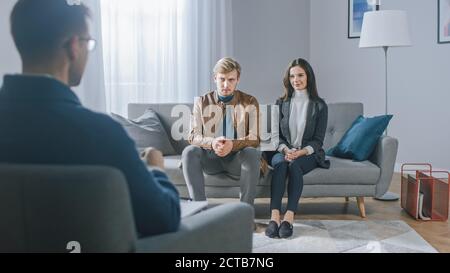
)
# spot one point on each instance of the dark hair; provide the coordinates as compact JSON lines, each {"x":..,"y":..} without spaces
{"x":39,"y":27}
{"x":311,"y":81}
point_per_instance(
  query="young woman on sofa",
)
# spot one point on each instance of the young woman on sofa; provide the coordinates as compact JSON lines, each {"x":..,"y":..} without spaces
{"x":303,"y":121}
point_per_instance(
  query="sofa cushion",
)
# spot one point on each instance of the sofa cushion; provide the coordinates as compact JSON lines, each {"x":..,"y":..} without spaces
{"x":341,"y":172}
{"x":175,"y":172}
{"x":345,"y":172}
{"x":360,"y":140}
{"x":147,"y":131}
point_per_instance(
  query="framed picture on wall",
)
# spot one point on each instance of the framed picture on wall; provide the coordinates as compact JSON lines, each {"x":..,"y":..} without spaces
{"x":443,"y":21}
{"x":356,"y":10}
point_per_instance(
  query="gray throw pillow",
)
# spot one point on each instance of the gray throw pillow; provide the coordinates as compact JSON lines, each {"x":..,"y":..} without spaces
{"x":147,"y":131}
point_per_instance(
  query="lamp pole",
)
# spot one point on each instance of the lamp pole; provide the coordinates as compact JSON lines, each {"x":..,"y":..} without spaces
{"x":385,"y":28}
{"x":386,"y":82}
{"x":388,"y":196}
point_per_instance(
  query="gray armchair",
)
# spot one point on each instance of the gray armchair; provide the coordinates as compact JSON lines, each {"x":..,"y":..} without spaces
{"x":52,"y":208}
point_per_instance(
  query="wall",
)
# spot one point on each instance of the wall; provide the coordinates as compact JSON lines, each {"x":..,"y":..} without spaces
{"x":267,"y":35}
{"x":419,"y":87}
{"x":9,"y":58}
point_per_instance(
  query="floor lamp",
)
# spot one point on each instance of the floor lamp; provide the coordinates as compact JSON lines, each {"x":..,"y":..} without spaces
{"x":385,"y":29}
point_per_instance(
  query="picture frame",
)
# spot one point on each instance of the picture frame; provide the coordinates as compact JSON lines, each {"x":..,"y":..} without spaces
{"x":356,"y":10}
{"x":443,"y":21}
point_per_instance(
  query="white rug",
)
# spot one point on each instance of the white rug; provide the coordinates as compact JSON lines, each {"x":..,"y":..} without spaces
{"x":345,"y":237}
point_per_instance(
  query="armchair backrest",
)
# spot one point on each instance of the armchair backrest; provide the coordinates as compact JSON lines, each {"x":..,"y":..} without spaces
{"x":64,"y":208}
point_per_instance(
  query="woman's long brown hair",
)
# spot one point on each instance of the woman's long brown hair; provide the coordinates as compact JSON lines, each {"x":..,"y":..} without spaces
{"x":311,"y":81}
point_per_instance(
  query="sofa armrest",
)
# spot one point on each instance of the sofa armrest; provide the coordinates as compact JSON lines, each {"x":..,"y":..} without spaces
{"x":385,"y":156}
{"x":226,"y":228}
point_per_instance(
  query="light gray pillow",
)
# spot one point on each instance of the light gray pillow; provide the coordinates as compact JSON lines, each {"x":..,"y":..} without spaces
{"x":147,"y":131}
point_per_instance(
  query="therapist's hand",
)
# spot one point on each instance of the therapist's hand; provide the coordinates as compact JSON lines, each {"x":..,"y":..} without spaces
{"x":153,"y":158}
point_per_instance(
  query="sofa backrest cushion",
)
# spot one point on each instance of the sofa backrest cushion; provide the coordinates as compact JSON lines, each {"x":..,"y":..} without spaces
{"x":147,"y":131}
{"x":340,"y":118}
{"x":169,"y":114}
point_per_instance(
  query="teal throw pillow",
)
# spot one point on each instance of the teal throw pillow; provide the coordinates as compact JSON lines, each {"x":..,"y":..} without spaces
{"x":360,"y":140}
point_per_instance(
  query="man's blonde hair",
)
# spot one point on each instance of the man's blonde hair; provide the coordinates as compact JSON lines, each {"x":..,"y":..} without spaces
{"x":227,"y":65}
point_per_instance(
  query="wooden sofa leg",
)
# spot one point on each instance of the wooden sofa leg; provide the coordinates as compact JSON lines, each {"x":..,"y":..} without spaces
{"x":362,"y":209}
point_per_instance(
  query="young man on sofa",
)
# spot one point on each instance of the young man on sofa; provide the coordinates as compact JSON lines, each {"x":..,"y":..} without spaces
{"x":224,"y":135}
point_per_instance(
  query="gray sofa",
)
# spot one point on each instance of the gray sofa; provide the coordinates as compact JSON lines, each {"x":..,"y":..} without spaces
{"x":60,"y":209}
{"x":345,"y":178}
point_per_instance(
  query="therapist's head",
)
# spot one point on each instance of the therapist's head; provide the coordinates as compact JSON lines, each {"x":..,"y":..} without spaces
{"x":52,"y":37}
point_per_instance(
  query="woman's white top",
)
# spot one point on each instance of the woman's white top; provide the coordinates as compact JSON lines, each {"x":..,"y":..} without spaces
{"x":297,"y":120}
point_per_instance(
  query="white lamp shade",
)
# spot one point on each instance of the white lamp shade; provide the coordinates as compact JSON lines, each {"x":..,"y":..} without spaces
{"x":385,"y":28}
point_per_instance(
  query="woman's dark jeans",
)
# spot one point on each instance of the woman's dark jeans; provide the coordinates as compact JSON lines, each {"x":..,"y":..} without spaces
{"x":295,"y":171}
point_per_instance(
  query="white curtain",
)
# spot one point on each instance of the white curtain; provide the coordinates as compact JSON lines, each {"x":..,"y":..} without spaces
{"x":162,"y":51}
{"x":91,"y":91}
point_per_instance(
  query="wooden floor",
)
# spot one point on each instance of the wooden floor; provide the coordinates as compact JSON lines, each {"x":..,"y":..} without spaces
{"x":435,"y":233}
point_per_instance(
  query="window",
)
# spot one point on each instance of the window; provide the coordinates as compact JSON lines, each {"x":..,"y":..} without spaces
{"x":159,"y":51}
{"x":142,"y":47}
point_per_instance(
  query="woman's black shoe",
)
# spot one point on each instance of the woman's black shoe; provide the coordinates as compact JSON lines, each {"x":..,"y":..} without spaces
{"x":285,"y":230}
{"x":272,"y":229}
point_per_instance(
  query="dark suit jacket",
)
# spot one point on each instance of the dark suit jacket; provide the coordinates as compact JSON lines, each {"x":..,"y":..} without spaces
{"x":43,"y":122}
{"x":316,"y":125}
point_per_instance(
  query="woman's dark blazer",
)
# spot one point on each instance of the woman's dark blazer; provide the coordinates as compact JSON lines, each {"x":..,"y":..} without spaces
{"x":316,"y":125}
